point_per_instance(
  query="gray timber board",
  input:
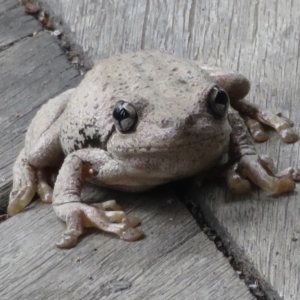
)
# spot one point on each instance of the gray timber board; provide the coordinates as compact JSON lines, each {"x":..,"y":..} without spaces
{"x":257,"y":38}
{"x":32,"y":70}
{"x":175,"y":261}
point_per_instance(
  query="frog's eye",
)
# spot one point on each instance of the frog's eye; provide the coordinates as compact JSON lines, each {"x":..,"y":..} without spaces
{"x":125,"y":116}
{"x":218,"y":102}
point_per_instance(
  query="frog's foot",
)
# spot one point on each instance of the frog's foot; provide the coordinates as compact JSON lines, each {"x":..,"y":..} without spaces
{"x":24,"y":185}
{"x":79,"y":215}
{"x":20,"y":197}
{"x":107,"y":205}
{"x":235,"y":182}
{"x":27,"y":182}
{"x":257,"y":131}
{"x":253,"y":115}
{"x":261,"y":171}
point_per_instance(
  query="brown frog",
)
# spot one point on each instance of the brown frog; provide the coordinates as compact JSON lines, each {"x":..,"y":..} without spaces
{"x":137,"y":121}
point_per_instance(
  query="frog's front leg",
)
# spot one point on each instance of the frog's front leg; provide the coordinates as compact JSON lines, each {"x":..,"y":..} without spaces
{"x":237,"y":86}
{"x":77,"y":167}
{"x":249,"y":165}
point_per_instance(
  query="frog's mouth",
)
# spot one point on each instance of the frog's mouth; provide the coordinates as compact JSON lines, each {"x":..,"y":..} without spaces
{"x":207,"y":134}
{"x":179,"y":145}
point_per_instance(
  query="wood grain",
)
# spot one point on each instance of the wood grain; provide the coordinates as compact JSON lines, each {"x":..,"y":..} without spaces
{"x":257,"y":38}
{"x":31,"y":72}
{"x":15,"y":25}
{"x":174,"y":261}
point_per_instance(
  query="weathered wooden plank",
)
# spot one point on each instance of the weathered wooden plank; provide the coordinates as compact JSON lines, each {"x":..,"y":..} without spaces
{"x":258,"y":38}
{"x":7,"y":5}
{"x":31,"y":72}
{"x":174,"y":261}
{"x":15,"y":25}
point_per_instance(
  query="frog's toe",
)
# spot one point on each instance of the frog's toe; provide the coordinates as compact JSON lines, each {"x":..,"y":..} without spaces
{"x":262,"y":174}
{"x":19,"y":198}
{"x":80,"y":215}
{"x":256,"y":130}
{"x":121,"y":217}
{"x":124,"y":229}
{"x":111,"y":204}
{"x":68,"y":240}
{"x":24,"y":185}
{"x":131,"y":221}
{"x":104,"y":220}
{"x":132,"y":234}
{"x":107,"y":205}
{"x":115,"y":216}
{"x":235,"y":182}
{"x":296,"y":175}
{"x":44,"y":190}
{"x":277,"y":121}
{"x":74,"y":221}
{"x":288,"y":135}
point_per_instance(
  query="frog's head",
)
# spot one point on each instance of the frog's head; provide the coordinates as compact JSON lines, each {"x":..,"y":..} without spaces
{"x":151,"y":122}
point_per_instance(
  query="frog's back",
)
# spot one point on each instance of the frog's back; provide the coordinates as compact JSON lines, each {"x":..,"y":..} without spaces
{"x":160,"y":86}
{"x":153,"y":78}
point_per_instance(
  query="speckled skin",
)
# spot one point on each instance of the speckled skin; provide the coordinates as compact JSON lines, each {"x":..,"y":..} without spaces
{"x":176,"y":136}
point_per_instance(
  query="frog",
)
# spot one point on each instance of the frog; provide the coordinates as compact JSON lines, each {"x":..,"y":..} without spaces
{"x":137,"y":121}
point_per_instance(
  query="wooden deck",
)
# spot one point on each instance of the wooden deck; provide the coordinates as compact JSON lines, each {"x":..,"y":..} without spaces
{"x":174,"y":261}
{"x":257,"y":38}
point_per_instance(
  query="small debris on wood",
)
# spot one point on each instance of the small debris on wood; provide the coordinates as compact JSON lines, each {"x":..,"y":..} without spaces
{"x":45,"y":20}
{"x":253,"y":286}
{"x":31,"y":6}
{"x":56,"y":32}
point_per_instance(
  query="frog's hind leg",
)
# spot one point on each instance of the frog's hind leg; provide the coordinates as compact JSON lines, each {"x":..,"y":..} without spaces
{"x":27,"y":181}
{"x":24,"y":185}
{"x":42,"y":150}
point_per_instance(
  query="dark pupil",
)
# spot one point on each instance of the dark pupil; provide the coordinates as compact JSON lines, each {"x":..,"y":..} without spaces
{"x":221,"y":98}
{"x":120,"y":113}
